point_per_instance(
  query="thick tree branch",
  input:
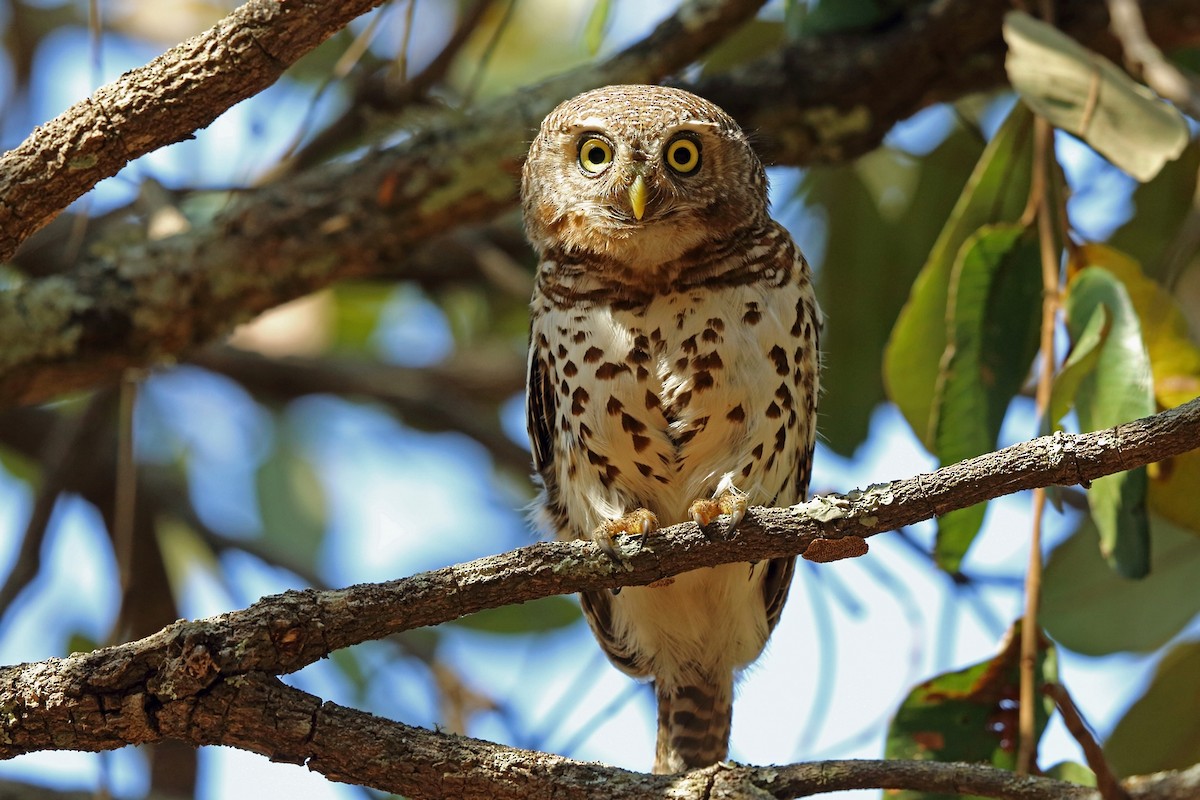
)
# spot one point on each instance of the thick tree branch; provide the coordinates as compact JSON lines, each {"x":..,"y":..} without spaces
{"x":198,"y":680}
{"x":299,"y":234}
{"x":821,"y":99}
{"x":164,"y":102}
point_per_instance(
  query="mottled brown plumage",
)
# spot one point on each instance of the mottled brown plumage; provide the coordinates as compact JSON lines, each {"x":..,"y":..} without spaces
{"x":673,"y":373}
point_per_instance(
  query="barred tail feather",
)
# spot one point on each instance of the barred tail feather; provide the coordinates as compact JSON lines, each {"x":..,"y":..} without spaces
{"x":693,"y":725}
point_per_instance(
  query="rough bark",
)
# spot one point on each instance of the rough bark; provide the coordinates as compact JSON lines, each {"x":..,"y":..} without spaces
{"x":164,"y":102}
{"x":828,"y":98}
{"x":212,"y":681}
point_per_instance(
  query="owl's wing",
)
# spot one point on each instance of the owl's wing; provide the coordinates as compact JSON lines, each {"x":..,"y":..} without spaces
{"x":540,"y":410}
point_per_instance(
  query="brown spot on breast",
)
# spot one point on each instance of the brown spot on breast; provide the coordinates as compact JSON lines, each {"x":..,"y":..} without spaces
{"x":785,"y":395}
{"x":801,"y":323}
{"x":562,"y":351}
{"x":736,"y":414}
{"x":637,"y":356}
{"x":608,"y":370}
{"x":656,"y":335}
{"x":614,"y":406}
{"x":642,"y":373}
{"x":593,"y":355}
{"x":689,"y":345}
{"x":579,"y":398}
{"x":579,"y":338}
{"x":564,"y":388}
{"x":596,"y":458}
{"x":710,"y":360}
{"x":773,"y":411}
{"x":702,"y":380}
{"x":570,"y":370}
{"x":752,"y":315}
{"x":779,"y":356}
{"x":611,"y":473}
{"x":640,"y":442}
{"x":757,"y":451}
{"x":781,"y":439}
{"x":716,"y":323}
{"x":651,"y":400}
{"x":645,"y":469}
{"x":632,"y":424}
{"x":584,"y":431}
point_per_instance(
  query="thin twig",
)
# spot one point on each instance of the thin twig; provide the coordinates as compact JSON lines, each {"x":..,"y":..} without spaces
{"x":1160,"y":75}
{"x":1030,"y":632}
{"x":1108,"y":784}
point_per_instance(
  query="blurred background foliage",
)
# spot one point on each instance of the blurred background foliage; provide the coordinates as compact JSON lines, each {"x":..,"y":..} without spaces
{"x":375,"y":429}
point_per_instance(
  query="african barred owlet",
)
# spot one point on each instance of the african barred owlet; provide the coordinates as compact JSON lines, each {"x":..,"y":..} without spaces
{"x":672,"y":376}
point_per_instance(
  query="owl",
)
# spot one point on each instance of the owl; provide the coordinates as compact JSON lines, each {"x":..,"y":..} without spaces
{"x":673,"y":375}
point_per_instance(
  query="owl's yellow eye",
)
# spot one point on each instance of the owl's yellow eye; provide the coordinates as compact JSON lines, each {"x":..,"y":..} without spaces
{"x":595,"y":155}
{"x":683,"y":156}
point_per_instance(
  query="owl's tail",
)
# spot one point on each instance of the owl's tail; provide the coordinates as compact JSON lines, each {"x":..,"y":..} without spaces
{"x":693,"y":725}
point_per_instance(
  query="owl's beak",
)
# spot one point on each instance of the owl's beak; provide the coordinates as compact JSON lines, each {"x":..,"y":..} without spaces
{"x":637,"y":197}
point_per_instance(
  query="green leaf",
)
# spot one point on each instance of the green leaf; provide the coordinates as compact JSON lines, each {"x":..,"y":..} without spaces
{"x":1071,"y":772}
{"x":1082,"y":92}
{"x":1159,"y":209}
{"x":1081,"y":361}
{"x":1088,"y":608}
{"x":833,"y":16}
{"x":357,"y":308}
{"x":597,"y":26}
{"x":1175,"y":365}
{"x":997,"y":191}
{"x":291,"y":504}
{"x":903,"y":200}
{"x":969,"y":715}
{"x":1161,"y":730}
{"x":1119,"y":389}
{"x":748,"y":42}
{"x":992,"y":336}
{"x":537,"y":616}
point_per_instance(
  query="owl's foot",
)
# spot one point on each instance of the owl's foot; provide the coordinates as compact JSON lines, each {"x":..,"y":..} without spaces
{"x":730,"y":500}
{"x":638,"y":522}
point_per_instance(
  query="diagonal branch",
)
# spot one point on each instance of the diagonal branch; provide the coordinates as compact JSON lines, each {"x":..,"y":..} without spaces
{"x":164,"y":102}
{"x":124,"y":694}
{"x":819,"y":99}
{"x":303,"y":232}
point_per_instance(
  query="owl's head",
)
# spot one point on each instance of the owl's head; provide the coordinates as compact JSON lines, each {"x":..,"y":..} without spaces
{"x":639,"y":175}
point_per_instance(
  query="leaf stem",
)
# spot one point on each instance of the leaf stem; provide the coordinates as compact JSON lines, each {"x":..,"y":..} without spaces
{"x":1043,"y":157}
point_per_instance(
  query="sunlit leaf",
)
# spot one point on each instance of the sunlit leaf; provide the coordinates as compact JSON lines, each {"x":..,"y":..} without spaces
{"x":997,"y":191}
{"x":1175,"y":364}
{"x":537,"y":616}
{"x":1174,"y":358}
{"x":1085,"y":353}
{"x":750,"y":41}
{"x":992,"y":336}
{"x":1118,"y":390}
{"x":597,"y":25}
{"x":1071,"y":772}
{"x":357,"y":308}
{"x":291,"y":504}
{"x":1088,"y":608}
{"x":969,"y":715}
{"x":1161,"y":730}
{"x":182,"y":551}
{"x":1080,"y":91}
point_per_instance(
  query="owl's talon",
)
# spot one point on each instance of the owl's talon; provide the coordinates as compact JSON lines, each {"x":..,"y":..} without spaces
{"x":638,"y":522}
{"x":731,"y":501}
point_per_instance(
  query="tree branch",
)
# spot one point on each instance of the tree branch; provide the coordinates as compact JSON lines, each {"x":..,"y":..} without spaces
{"x":164,"y":102}
{"x":827,"y":98}
{"x":198,"y":681}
